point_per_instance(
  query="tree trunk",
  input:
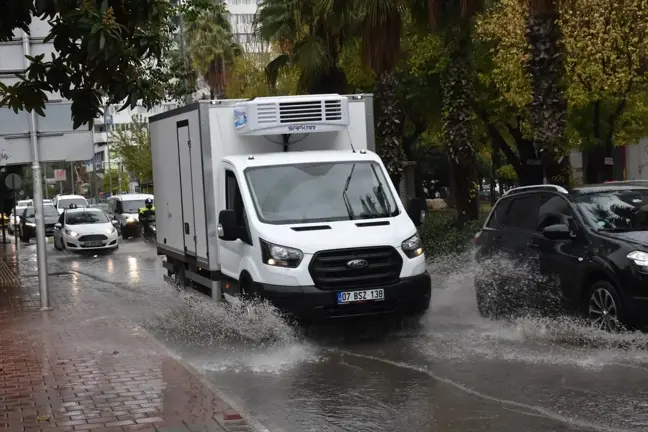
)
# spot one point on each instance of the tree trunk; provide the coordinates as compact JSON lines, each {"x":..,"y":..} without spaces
{"x":456,"y":87}
{"x":390,"y":125}
{"x":548,"y":108}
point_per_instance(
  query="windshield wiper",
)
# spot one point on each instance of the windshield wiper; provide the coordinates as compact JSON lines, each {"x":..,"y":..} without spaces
{"x":345,"y":197}
{"x":383,"y":194}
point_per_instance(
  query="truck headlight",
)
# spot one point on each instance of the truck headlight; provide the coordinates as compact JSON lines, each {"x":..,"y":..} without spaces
{"x":412,"y":247}
{"x":71,"y":233}
{"x":639,"y":258}
{"x":280,"y":256}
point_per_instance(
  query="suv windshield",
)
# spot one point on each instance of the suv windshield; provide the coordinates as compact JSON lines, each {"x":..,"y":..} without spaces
{"x":65,"y":202}
{"x":319,"y":192}
{"x":615,"y":209}
{"x":132,"y":206}
{"x":86,"y":217}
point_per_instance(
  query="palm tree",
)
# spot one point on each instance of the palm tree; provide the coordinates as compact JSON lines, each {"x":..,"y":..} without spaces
{"x":310,"y":35}
{"x":381,"y":25}
{"x":548,"y":108}
{"x":212,"y":47}
{"x":453,"y":19}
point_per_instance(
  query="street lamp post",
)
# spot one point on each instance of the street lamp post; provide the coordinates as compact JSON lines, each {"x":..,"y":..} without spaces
{"x":41,"y":250}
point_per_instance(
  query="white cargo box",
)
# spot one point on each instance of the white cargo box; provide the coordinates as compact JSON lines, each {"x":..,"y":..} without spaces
{"x":189,"y":143}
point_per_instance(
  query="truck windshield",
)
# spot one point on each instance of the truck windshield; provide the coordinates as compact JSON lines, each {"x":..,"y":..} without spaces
{"x":320,"y":192}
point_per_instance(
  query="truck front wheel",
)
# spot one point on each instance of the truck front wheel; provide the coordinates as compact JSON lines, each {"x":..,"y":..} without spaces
{"x":248,"y":287}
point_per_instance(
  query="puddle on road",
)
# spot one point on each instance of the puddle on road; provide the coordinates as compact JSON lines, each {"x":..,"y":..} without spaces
{"x":254,"y":336}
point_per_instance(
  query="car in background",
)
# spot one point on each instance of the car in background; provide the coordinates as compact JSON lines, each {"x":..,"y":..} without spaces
{"x":48,"y":202}
{"x":14,"y":219}
{"x":102,"y":206}
{"x":83,"y":229}
{"x":25,"y":203}
{"x":62,"y":202}
{"x":124,"y":209}
{"x":28,"y":222}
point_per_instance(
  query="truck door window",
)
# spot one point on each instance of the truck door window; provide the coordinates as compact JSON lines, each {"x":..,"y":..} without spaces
{"x":234,"y":201}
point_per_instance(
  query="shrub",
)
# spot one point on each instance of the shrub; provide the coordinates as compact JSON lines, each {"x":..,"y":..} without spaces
{"x":441,"y":236}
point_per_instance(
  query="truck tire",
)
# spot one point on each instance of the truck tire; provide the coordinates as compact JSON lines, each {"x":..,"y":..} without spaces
{"x":248,"y":287}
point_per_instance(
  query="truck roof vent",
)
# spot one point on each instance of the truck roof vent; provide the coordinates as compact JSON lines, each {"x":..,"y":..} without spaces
{"x":292,"y":114}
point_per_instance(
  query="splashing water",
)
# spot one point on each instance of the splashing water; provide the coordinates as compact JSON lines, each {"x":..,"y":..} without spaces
{"x":454,"y":328}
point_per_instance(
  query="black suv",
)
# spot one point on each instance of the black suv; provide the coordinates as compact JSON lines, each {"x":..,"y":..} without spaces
{"x":584,"y":250}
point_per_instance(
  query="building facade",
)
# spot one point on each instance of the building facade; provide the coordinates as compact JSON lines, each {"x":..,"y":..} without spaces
{"x":241,"y":18}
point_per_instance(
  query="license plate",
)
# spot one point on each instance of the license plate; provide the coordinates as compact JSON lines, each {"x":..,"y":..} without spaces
{"x":360,"y":296}
{"x":91,"y":244}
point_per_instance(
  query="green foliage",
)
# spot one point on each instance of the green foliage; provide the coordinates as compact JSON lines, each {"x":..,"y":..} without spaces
{"x":112,"y":48}
{"x":441,"y":235}
{"x":133,"y":148}
{"x":247,"y":78}
{"x":114,"y":174}
{"x":212,"y":47}
{"x":507,"y":174}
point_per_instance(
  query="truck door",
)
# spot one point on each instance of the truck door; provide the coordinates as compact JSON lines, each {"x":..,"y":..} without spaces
{"x":186,"y":175}
{"x":230,"y":253}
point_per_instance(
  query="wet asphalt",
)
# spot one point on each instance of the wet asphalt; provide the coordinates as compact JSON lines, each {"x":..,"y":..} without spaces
{"x":452,"y":371}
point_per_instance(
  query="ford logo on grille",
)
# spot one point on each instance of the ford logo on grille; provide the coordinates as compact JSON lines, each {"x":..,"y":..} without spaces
{"x":357,"y":264}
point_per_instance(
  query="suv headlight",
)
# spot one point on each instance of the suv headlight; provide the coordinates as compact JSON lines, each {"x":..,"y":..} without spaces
{"x":639,"y":258}
{"x":280,"y":256}
{"x":412,"y":246}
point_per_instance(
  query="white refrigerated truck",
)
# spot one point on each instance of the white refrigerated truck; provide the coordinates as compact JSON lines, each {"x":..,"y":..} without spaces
{"x":284,"y":198}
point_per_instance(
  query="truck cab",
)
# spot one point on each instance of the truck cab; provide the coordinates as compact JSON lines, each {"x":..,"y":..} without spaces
{"x":313,"y":225}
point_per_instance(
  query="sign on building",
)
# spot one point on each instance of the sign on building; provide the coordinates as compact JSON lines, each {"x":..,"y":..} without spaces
{"x":59,"y":175}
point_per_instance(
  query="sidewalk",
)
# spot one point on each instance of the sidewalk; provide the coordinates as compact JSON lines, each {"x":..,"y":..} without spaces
{"x":83,"y":366}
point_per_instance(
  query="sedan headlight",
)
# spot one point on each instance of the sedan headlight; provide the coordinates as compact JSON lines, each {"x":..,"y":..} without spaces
{"x":280,"y":256}
{"x":639,"y":258}
{"x":110,"y":231}
{"x":412,"y":247}
{"x":71,"y":233}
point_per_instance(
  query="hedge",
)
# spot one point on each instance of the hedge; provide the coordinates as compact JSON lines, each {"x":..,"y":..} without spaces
{"x":441,"y":236}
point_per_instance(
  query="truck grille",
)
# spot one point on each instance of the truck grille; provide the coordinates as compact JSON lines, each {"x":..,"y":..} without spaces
{"x":330,"y":271}
{"x":93,"y":237}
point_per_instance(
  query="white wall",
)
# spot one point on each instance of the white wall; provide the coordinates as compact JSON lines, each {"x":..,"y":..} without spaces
{"x":637,"y":161}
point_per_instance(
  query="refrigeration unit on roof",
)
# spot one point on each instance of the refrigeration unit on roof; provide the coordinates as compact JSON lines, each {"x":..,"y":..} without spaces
{"x":292,"y":115}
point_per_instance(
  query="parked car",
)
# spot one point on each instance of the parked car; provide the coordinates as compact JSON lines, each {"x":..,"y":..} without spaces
{"x":28,"y":222}
{"x":585,"y":249}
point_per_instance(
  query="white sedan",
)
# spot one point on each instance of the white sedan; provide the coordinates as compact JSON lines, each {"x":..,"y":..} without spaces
{"x":85,"y":229}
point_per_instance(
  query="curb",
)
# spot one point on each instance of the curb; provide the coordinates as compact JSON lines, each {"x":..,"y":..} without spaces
{"x":234,"y":416}
{"x":231,"y":416}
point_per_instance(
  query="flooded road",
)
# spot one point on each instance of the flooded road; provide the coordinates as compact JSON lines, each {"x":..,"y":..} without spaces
{"x":452,"y":371}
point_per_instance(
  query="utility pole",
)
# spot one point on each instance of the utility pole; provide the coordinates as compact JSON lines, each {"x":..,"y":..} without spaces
{"x":41,"y":250}
{"x":119,"y":178}
{"x":107,"y":123}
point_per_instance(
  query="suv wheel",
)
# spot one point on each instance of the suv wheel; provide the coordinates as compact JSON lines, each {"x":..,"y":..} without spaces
{"x":604,"y":307}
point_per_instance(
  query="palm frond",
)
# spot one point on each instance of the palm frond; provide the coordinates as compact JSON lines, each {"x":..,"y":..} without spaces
{"x":274,"y":68}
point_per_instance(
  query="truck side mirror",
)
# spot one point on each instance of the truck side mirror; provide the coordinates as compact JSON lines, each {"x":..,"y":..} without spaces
{"x":227,"y":226}
{"x":417,"y":210}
